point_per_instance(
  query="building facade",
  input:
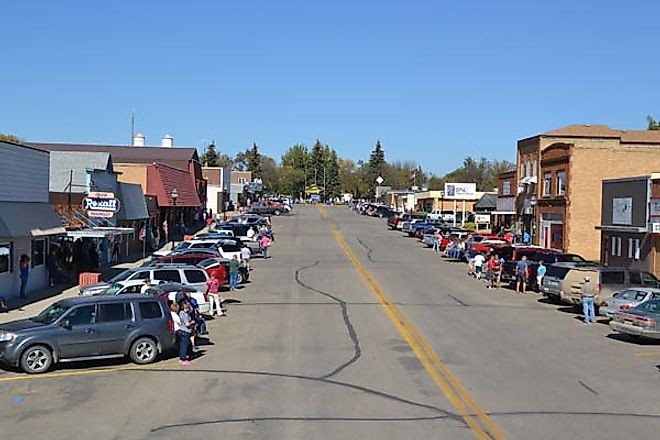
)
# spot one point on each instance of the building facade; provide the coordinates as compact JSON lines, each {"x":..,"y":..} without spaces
{"x":504,"y":214}
{"x":218,"y":188}
{"x":239,"y":179}
{"x":28,"y":223}
{"x":559,"y":174}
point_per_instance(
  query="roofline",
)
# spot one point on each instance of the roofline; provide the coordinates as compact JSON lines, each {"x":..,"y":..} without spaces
{"x":30,"y":147}
{"x":109,"y":145}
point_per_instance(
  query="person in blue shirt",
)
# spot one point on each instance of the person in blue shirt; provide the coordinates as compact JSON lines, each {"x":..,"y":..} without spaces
{"x":540,"y":273}
{"x":521,"y":274}
{"x":526,"y":237}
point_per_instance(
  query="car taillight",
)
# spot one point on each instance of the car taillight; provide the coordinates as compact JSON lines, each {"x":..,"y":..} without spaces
{"x":625,"y":307}
{"x":170,"y":324}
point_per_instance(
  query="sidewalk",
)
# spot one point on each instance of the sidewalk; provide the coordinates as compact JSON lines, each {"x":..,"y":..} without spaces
{"x":20,"y":308}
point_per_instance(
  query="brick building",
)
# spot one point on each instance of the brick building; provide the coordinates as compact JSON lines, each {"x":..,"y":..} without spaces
{"x":559,"y":175}
{"x":504,"y":214}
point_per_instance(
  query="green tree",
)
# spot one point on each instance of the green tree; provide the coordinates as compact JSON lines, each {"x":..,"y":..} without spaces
{"x":376,"y":167}
{"x":294,"y":165}
{"x":653,"y":124}
{"x":332,"y":178}
{"x":268,"y":173}
{"x":210,"y":156}
{"x":254,"y":161}
{"x":317,"y":162}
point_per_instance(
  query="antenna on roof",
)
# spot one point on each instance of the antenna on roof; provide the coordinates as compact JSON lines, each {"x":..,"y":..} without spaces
{"x":132,"y":127}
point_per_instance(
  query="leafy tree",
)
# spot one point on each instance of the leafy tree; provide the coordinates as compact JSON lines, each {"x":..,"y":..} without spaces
{"x":332,"y":179}
{"x":317,"y":162}
{"x":296,"y":159}
{"x":268,"y":173}
{"x":653,"y":124}
{"x":254,"y":161}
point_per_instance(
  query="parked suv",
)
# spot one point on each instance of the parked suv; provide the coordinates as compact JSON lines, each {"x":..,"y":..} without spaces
{"x":563,"y":281}
{"x":137,"y":326}
{"x":175,"y":273}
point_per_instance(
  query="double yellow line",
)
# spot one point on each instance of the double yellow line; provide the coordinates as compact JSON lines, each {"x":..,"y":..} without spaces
{"x":473,"y":415}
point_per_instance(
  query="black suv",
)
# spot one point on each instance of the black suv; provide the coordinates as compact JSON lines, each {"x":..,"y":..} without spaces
{"x":84,"y":328}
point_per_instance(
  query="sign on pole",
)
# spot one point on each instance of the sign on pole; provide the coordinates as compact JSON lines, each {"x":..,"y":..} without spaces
{"x":460,"y":191}
{"x":101,"y":204}
{"x":379,"y":180}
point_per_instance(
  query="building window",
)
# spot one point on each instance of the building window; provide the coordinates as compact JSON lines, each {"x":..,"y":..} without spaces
{"x":535,"y":167}
{"x":633,"y":248}
{"x":529,"y":169}
{"x":5,"y":257}
{"x":38,"y":252}
{"x":547,"y":184}
{"x":506,"y":188}
{"x":522,"y":170}
{"x":561,"y":183}
{"x":616,"y":246}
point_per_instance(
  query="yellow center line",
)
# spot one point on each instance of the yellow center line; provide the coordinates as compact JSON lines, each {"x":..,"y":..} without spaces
{"x":648,"y":353}
{"x":482,"y":426}
{"x":86,"y":372}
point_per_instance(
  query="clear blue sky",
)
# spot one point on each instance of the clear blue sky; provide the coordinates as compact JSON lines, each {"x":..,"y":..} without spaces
{"x":434,"y":80}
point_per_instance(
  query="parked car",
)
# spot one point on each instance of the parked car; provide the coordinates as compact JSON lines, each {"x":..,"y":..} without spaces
{"x":628,"y":299}
{"x":192,"y":257}
{"x":212,"y":263}
{"x":394,"y":220}
{"x":438,"y":215}
{"x":163,"y":290}
{"x":563,"y":281}
{"x":206,"y":243}
{"x":642,"y":321}
{"x":100,"y":327}
{"x":176,"y":273}
{"x":534,"y":254}
{"x":266,"y":208}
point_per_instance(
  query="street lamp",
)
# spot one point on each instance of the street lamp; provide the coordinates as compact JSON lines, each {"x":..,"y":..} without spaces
{"x":175,"y":195}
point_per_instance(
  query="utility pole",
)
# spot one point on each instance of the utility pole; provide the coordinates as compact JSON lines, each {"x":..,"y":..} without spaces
{"x":324,"y":193}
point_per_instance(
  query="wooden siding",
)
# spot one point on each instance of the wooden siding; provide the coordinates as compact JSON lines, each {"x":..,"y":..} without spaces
{"x":23,"y":174}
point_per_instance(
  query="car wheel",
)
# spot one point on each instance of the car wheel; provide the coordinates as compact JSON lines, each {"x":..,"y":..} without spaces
{"x":240,"y":278}
{"x":36,"y":360}
{"x":277,"y":212}
{"x":144,"y":351}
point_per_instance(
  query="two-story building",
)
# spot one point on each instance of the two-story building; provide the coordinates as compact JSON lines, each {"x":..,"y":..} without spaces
{"x":504,"y":214}
{"x":27,"y":220}
{"x":218,"y":188}
{"x":559,"y":174}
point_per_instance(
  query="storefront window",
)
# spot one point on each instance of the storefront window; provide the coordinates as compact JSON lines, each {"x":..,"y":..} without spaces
{"x":561,"y":183}
{"x":547,"y":184}
{"x":5,"y":257}
{"x":38,"y":252}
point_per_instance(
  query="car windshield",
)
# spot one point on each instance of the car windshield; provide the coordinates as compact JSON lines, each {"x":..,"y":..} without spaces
{"x":50,"y":314}
{"x":122,"y":276}
{"x":112,"y":289}
{"x":230,"y":248}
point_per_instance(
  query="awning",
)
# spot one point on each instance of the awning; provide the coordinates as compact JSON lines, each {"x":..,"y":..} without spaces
{"x":631,"y":229}
{"x":29,"y":219}
{"x":503,"y":212}
{"x":133,"y":205}
{"x":99,"y":232}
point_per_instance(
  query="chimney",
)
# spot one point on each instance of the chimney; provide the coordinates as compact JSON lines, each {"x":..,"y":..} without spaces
{"x":138,"y":140}
{"x":167,"y":141}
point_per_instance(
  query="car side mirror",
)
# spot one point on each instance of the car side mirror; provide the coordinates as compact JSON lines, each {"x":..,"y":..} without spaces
{"x":65,"y":323}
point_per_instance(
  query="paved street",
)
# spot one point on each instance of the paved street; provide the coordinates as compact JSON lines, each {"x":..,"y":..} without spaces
{"x":352,"y":331}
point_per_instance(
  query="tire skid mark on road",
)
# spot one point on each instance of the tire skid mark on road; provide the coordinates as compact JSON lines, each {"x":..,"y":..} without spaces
{"x":587,"y":387}
{"x":459,"y":301}
{"x":369,"y":250}
{"x":352,"y":334}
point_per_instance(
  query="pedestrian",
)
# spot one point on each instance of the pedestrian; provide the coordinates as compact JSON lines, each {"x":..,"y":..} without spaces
{"x":499,"y":263}
{"x":146,"y":285}
{"x":269,"y":233}
{"x":183,"y":327}
{"x":213,"y":291}
{"x":478,"y":264}
{"x":491,"y":273}
{"x":24,"y":273}
{"x":521,"y":274}
{"x":51,"y":265}
{"x":525,"y":237}
{"x":265,"y":245}
{"x":246,"y":254}
{"x":193,"y":313}
{"x":233,"y":271}
{"x":508,"y":236}
{"x":436,"y":244}
{"x":540,"y":273}
{"x":252,"y":233}
{"x":588,"y":293}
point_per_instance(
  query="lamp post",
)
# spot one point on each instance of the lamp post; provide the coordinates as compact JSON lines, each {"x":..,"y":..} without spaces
{"x":175,"y":195}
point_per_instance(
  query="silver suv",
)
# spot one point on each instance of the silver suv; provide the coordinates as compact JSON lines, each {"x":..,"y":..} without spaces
{"x":137,"y":326}
{"x":174,"y":273}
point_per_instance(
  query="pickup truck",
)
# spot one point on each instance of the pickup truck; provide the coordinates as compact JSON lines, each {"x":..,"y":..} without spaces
{"x":266,"y":208}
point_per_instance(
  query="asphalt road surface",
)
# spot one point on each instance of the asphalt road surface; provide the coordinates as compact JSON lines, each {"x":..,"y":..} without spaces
{"x":352,"y":331}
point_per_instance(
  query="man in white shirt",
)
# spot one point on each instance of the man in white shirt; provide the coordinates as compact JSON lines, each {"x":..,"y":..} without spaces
{"x":146,"y":286}
{"x":251,"y":233}
{"x":478,"y":263}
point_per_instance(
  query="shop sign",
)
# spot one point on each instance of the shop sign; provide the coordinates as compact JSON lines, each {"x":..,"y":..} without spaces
{"x":101,"y":204}
{"x":482,"y":218}
{"x":622,"y":211}
{"x":460,"y":191}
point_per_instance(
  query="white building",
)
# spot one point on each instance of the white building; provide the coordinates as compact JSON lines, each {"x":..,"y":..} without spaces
{"x":218,"y":187}
{"x":27,"y":220}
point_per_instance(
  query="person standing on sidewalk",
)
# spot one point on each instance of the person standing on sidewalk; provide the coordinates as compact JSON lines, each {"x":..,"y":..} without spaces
{"x":265,"y":246}
{"x":213,"y":290}
{"x":233,"y":273}
{"x":24,"y":273}
{"x":540,"y":274}
{"x":588,"y":293}
{"x":521,"y":274}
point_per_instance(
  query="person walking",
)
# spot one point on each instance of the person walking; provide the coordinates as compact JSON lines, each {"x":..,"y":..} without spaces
{"x":588,"y":293}
{"x":521,"y":274}
{"x":265,"y":246}
{"x":540,"y":274}
{"x":24,"y":273}
{"x":233,"y":272}
{"x":213,"y":291}
{"x":436,"y":244}
{"x":491,"y":273}
{"x":478,"y":265}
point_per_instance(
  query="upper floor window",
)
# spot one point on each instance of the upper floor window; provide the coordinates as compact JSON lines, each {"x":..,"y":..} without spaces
{"x":535,"y":168}
{"x":561,"y":183}
{"x":547,"y":184}
{"x":529,"y":169}
{"x":523,"y":168}
{"x":506,"y":188}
